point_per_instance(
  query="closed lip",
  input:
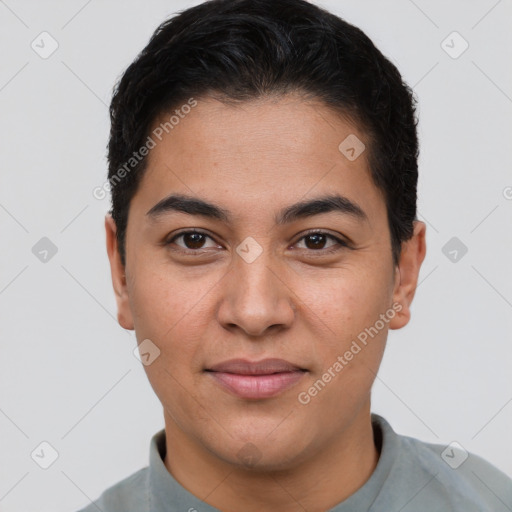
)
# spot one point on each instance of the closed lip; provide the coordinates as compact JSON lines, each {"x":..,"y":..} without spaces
{"x":263,"y":367}
{"x":256,"y":380}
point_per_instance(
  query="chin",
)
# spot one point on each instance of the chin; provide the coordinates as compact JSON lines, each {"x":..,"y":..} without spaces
{"x":257,"y":451}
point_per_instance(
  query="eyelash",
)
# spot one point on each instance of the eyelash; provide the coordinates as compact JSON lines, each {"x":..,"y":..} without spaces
{"x":341,"y":243}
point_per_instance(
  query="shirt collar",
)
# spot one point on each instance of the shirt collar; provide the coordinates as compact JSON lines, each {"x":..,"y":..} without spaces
{"x":165,"y":494}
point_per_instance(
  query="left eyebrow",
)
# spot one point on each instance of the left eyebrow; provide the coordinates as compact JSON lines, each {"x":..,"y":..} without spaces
{"x":326,"y":204}
{"x":195,"y":206}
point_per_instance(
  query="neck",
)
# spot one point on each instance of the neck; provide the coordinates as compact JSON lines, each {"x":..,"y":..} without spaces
{"x":316,"y":484}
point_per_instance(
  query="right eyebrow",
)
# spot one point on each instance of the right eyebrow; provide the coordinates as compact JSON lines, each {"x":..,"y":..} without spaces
{"x":189,"y":205}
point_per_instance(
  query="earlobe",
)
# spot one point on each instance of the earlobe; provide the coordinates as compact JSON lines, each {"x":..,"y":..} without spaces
{"x":406,"y":278}
{"x":117,"y":269}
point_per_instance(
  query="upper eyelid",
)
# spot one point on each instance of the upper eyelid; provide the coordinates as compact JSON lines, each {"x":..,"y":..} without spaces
{"x":190,"y":231}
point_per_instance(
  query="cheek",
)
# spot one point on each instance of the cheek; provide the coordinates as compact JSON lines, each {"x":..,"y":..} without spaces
{"x":161,"y":298}
{"x":349,"y":302}
{"x":168,"y":310}
{"x":174,"y":312}
{"x":351,"y":353}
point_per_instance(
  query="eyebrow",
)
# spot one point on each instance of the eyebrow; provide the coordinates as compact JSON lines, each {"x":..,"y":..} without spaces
{"x":195,"y":206}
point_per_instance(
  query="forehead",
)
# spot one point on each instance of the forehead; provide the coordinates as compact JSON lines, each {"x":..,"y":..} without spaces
{"x":272,"y":125}
{"x":263,"y":151}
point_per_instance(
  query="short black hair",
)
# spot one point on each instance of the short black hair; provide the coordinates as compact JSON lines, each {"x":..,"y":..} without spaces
{"x":238,"y":50}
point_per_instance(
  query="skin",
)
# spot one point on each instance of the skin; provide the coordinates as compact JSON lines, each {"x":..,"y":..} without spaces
{"x":295,"y":301}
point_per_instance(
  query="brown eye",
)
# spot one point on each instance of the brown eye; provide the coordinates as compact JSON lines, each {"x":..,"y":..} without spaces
{"x":315,"y":241}
{"x":320,"y":241}
{"x":191,"y":240}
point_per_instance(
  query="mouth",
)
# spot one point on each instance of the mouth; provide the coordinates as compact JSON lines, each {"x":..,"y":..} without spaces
{"x":256,"y":380}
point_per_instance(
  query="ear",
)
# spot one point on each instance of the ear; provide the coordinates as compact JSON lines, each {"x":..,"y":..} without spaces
{"x":117,"y":269}
{"x":406,"y":275}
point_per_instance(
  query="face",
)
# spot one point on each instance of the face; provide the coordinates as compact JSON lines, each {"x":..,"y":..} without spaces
{"x":259,"y":263}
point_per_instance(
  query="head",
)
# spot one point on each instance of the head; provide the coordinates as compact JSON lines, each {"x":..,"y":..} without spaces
{"x":286,"y":141}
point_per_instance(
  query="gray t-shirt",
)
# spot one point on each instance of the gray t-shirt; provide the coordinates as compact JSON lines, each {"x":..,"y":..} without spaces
{"x":411,"y":476}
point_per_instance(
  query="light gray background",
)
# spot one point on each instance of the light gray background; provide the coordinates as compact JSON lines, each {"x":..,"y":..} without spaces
{"x":68,"y":375}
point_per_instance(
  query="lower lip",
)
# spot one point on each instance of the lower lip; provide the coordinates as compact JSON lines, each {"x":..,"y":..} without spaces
{"x":257,"y":386}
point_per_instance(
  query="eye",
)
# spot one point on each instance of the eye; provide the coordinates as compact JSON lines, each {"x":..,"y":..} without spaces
{"x":314,"y":241}
{"x":318,"y":241}
{"x":192,"y":240}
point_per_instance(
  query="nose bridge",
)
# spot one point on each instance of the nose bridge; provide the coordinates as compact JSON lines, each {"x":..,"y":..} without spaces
{"x":257,"y":279}
{"x":256,"y":298}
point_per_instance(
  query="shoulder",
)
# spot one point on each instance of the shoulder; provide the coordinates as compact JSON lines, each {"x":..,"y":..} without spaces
{"x":128,"y":495}
{"x":446,"y":477}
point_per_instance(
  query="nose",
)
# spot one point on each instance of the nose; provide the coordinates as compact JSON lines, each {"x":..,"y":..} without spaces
{"x":255,"y":298}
